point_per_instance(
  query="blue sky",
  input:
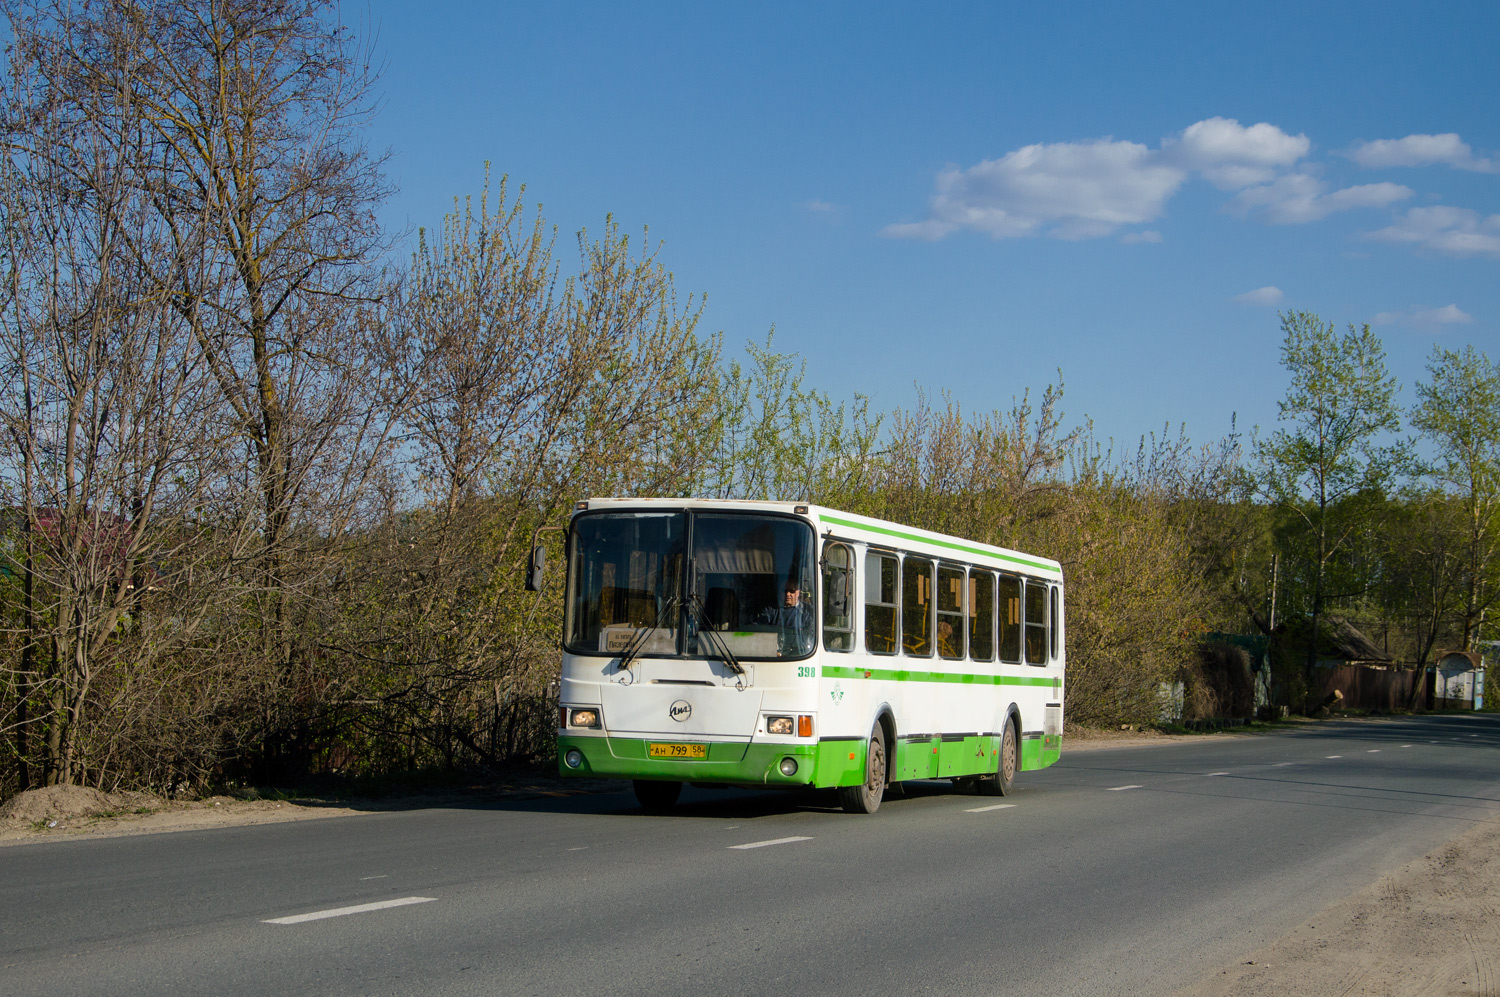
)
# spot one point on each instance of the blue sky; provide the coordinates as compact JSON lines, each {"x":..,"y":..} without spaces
{"x":971,"y":196}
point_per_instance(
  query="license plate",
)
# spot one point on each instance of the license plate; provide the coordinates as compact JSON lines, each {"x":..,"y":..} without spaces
{"x":677,"y":750}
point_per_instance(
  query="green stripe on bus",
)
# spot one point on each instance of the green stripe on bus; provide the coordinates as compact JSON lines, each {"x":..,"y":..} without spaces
{"x":982,"y":552}
{"x":907,"y":675}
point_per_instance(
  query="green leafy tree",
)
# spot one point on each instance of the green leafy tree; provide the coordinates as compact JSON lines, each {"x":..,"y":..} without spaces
{"x":1334,"y":444}
{"x":774,"y":438}
{"x":1417,"y":574}
{"x":1458,"y":411}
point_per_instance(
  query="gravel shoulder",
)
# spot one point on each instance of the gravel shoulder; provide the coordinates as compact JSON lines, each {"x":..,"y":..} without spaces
{"x":1427,"y":928}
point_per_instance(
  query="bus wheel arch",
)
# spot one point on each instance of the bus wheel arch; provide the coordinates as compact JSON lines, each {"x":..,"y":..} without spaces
{"x":865,"y":798}
{"x":1001,"y":782}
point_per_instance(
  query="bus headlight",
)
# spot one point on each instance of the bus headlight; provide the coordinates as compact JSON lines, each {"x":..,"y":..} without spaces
{"x":778,"y":725}
{"x":586,"y":717}
{"x":788,"y":767}
{"x":573,"y":758}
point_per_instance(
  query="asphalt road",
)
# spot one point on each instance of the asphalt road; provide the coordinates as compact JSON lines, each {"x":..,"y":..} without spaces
{"x":1118,"y":871}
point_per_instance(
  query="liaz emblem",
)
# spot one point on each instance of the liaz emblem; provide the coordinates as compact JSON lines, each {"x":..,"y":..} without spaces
{"x":680,"y":710}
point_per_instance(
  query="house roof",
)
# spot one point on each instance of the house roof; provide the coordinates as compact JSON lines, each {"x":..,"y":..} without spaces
{"x":1344,"y":640}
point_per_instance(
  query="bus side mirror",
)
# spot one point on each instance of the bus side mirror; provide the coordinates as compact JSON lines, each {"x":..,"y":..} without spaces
{"x":536,"y":569}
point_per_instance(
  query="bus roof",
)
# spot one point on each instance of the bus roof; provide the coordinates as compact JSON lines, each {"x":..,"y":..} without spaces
{"x":847,"y":525}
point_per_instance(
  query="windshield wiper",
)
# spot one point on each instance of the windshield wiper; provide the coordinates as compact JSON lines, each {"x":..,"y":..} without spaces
{"x":644,"y":634}
{"x":705,"y":628}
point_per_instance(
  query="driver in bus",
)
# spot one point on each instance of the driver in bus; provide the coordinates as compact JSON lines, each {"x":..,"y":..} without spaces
{"x":794,"y":617}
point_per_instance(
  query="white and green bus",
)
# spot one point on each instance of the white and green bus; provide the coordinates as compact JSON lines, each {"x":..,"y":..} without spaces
{"x":776,"y":644}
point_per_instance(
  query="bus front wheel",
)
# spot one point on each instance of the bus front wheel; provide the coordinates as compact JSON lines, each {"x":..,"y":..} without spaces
{"x":865,"y":798}
{"x":657,"y":796}
{"x":1002,"y":781}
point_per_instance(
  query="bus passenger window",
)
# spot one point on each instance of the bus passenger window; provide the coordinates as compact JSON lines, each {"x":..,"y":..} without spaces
{"x":880,"y":603}
{"x":838,"y":598}
{"x":1036,"y":623}
{"x":916,"y":607}
{"x":1010,"y":619}
{"x":1056,"y":595}
{"x":981,"y":615}
{"x":950,"y":611}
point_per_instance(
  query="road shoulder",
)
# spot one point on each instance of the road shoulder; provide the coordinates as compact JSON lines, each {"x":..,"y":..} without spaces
{"x":1427,"y":928}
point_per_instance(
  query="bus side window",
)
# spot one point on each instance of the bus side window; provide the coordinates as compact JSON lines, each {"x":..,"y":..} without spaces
{"x":1010,"y":619}
{"x":880,"y":603}
{"x":838,"y":597}
{"x":1036,"y":623}
{"x":1056,"y":594}
{"x":981,"y":615}
{"x":916,"y":606}
{"x":951,"y":630}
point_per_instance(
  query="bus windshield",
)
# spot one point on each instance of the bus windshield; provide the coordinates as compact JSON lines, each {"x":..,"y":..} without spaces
{"x":751,"y":585}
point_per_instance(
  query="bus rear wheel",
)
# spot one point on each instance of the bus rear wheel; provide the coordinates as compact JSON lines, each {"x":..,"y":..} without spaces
{"x":865,"y":798}
{"x":1002,"y":781}
{"x":657,"y":796}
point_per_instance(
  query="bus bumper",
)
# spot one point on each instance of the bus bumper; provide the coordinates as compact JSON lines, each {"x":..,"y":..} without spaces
{"x":738,"y":763}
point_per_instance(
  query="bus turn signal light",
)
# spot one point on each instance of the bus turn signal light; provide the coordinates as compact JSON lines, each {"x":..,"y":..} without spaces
{"x":804,"y":725}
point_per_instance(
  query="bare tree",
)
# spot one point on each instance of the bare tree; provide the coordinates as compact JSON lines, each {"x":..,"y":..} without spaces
{"x":254,"y":111}
{"x":515,"y":391}
{"x":233,"y":132}
{"x":113,"y":452}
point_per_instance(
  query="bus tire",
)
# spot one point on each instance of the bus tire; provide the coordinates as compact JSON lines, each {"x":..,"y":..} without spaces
{"x":1002,"y":781}
{"x":657,"y":797}
{"x":865,"y":798}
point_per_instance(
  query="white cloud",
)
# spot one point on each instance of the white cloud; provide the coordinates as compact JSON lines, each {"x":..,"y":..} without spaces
{"x":819,"y":207}
{"x":1264,"y":296}
{"x":1420,"y":150}
{"x":1231,"y":155}
{"x":1071,"y":190}
{"x":1456,"y":231}
{"x":1425,"y":318}
{"x":1093,"y":189}
{"x":1301,"y":197}
{"x":1085,"y":190}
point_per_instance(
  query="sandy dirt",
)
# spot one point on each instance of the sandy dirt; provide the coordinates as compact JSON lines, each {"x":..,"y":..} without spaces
{"x":1428,"y":928}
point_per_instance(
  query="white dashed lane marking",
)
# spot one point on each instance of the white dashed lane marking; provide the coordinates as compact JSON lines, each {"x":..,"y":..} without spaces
{"x":319,"y":915}
{"x":1333,"y":756}
{"x":993,"y":806}
{"x":1215,"y":773}
{"x":773,"y":841}
{"x":1116,"y":789}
